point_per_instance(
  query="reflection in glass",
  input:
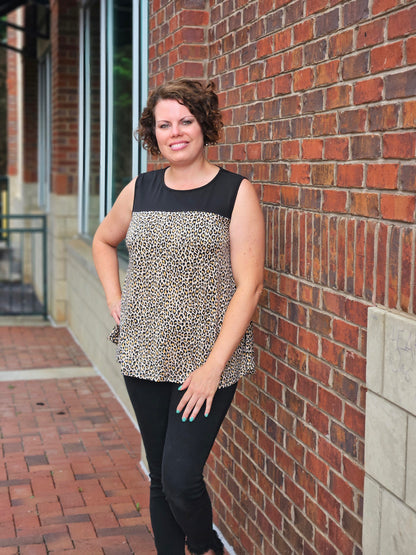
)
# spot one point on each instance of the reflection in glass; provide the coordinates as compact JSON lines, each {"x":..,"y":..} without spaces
{"x":122,"y":96}
{"x":92,"y":120}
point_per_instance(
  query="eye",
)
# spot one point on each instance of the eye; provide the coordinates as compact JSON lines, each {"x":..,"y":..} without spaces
{"x":163,"y":126}
{"x":187,"y":121}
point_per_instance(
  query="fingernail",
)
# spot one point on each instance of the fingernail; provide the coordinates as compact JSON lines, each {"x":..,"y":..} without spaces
{"x":179,"y":388}
{"x":191,"y":419}
{"x":177,"y":411}
{"x":206,"y":415}
{"x":183,"y":419}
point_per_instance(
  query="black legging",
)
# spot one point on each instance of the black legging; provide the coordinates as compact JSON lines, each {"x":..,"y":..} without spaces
{"x":176,"y":452}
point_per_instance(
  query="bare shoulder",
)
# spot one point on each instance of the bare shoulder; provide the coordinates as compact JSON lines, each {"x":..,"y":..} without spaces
{"x":126,"y":196}
{"x":247,"y":200}
{"x":247,"y":218}
{"x":247,"y":235}
{"x":114,"y":227}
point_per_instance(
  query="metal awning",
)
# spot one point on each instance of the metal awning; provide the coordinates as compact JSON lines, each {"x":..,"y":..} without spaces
{"x":7,"y":6}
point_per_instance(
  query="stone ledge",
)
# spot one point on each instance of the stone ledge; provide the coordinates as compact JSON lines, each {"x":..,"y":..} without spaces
{"x":48,"y":373}
{"x":80,"y":250}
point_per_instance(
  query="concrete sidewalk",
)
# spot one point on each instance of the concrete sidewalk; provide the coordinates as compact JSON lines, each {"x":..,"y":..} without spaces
{"x":70,"y":474}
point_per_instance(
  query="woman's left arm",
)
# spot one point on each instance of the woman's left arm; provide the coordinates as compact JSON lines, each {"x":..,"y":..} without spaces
{"x":247,"y":237}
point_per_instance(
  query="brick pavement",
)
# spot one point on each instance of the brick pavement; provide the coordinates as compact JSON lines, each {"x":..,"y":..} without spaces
{"x":70,"y":475}
{"x":24,"y":347}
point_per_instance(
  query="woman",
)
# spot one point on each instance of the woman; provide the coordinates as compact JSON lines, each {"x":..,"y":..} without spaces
{"x":195,"y":236}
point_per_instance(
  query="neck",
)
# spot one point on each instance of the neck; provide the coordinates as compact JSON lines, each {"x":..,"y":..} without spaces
{"x":199,"y":172}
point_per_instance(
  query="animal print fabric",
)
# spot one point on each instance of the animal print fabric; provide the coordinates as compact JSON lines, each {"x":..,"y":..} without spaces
{"x":178,"y":286}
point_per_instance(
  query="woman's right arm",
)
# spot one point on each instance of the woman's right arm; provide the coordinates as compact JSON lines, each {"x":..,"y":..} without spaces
{"x":109,"y":234}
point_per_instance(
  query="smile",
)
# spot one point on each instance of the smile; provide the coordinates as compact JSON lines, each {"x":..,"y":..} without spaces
{"x":178,"y":146}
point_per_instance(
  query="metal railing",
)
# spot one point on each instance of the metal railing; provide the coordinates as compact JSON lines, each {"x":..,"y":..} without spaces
{"x":23,"y":264}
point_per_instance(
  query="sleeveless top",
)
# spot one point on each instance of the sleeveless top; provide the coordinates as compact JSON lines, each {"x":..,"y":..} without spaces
{"x":179,"y":280}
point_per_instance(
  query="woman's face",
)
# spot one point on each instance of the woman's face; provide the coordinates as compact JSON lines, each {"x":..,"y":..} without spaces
{"x":178,"y":133}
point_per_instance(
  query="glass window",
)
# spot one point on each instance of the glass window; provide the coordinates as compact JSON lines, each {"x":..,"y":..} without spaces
{"x":120,"y":84}
{"x":44,"y":129}
{"x":113,"y":89}
{"x":91,"y":122}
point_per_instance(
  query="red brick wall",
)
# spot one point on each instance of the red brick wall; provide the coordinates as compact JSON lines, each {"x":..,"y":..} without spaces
{"x":26,"y":82}
{"x":65,"y":68}
{"x":30,"y":121}
{"x":320,"y":114}
{"x":12,"y":106}
{"x":178,"y":40}
{"x":64,"y":46}
{"x":30,"y":102}
{"x":3,"y":110}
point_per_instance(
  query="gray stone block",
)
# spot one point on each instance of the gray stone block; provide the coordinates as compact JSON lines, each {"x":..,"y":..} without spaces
{"x":372,"y":517}
{"x":411,"y":465}
{"x":386,"y":433}
{"x":398,"y":527}
{"x":400,"y":361}
{"x":375,"y":349}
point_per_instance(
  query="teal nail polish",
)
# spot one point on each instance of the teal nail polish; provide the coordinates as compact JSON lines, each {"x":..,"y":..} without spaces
{"x":177,"y":411}
{"x":206,"y":415}
{"x":179,"y":388}
{"x":191,"y":419}
{"x":183,"y":419}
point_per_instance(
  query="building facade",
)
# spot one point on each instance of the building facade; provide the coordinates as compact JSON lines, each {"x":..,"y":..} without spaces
{"x":318,"y":99}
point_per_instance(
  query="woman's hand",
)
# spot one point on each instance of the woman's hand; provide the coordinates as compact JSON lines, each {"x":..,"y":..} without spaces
{"x":114,"y":308}
{"x":200,"y":387}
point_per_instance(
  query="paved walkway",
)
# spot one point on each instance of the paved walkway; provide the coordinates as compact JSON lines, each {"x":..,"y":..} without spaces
{"x":70,"y":475}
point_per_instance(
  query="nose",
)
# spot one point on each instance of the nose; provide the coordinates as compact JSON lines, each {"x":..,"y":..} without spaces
{"x":174,"y":130}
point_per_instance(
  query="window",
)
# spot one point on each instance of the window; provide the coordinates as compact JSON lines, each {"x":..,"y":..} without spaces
{"x":91,"y":151}
{"x":113,"y":89}
{"x":44,"y":129}
{"x":120,"y":96}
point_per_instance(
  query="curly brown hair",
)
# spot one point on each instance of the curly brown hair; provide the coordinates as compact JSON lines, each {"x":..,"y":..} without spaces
{"x":201,"y":100}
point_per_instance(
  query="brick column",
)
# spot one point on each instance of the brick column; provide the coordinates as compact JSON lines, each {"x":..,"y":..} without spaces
{"x":65,"y":54}
{"x":30,"y":121}
{"x":3,"y":111}
{"x":63,"y":217}
{"x":13,"y":80}
{"x":30,"y":102}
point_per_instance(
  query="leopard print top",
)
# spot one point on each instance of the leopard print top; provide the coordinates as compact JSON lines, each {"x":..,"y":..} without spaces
{"x":179,"y":280}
